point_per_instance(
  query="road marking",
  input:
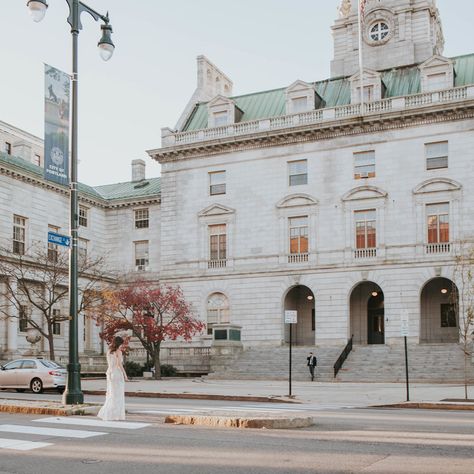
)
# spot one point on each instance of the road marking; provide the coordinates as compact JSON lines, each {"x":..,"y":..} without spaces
{"x":21,"y":445}
{"x":92,"y":422}
{"x":59,"y":433}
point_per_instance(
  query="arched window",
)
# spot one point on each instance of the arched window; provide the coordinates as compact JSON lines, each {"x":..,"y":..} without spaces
{"x":379,"y":31}
{"x":217,"y":310}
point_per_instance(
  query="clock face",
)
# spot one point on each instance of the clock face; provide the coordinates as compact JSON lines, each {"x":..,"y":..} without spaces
{"x":57,"y":156}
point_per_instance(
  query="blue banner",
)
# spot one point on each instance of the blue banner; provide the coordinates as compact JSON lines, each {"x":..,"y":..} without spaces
{"x":56,"y":125}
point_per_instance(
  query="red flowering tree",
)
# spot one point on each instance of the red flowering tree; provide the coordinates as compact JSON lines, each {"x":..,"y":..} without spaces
{"x":152,"y":314}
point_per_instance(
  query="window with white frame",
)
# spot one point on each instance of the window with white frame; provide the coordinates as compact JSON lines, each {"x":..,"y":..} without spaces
{"x":218,"y":242}
{"x":19,"y":234}
{"x":83,"y":211}
{"x":56,"y":323}
{"x":220,"y":119}
{"x":217,"y":183}
{"x":438,"y":222}
{"x":298,"y":172}
{"x":141,"y":256}
{"x":300,"y":104}
{"x":298,"y":230}
{"x":142,"y":218}
{"x":364,"y":164}
{"x":53,"y":250}
{"x":435,"y":82}
{"x":369,"y":92}
{"x":217,"y":311}
{"x":23,"y":318}
{"x":37,"y":160}
{"x":365,"y":229}
{"x":436,"y":155}
{"x":7,"y":148}
{"x":379,"y":31}
{"x":82,"y":248}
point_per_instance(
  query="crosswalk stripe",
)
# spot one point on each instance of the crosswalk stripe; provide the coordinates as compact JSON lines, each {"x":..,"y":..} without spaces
{"x":21,"y":445}
{"x":58,"y":433}
{"x":81,"y":421}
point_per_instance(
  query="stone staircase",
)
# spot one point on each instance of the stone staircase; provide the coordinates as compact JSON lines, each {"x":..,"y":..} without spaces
{"x":426,"y":363}
{"x":271,"y":363}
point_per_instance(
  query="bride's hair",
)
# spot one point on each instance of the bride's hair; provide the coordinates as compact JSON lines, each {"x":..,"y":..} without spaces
{"x":116,"y":343}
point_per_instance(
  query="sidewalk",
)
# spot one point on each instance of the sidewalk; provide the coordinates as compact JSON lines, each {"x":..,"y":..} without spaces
{"x":343,"y":394}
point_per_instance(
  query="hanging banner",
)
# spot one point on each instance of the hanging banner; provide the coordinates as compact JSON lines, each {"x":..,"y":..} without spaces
{"x":56,"y":125}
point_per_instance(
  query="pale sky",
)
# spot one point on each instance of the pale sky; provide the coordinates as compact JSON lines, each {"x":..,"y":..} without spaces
{"x":124,"y":103}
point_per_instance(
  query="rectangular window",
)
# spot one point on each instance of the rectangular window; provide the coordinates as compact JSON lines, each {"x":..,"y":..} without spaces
{"x":53,"y":250}
{"x":23,"y":318}
{"x":364,"y":164}
{"x":448,"y":315}
{"x":19,"y":235}
{"x":438,"y":223}
{"x":220,"y":119}
{"x":8,"y":148}
{"x":298,"y":235}
{"x":365,"y":229}
{"x":368,"y":93}
{"x":217,"y":183}
{"x":56,"y":324}
{"x":298,"y":172}
{"x":141,"y":256}
{"x":436,"y":82}
{"x":37,"y":160}
{"x":82,"y":248}
{"x":83,"y":216}
{"x":142,"y":218}
{"x":300,"y":104}
{"x":218,"y":242}
{"x":436,"y":155}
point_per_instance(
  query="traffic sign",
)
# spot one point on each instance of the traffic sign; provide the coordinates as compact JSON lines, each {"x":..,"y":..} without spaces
{"x":59,"y":239}
{"x":404,"y":323}
{"x":291,"y":317}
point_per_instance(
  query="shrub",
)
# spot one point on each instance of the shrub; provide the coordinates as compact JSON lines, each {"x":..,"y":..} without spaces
{"x":133,"y":369}
{"x":168,"y":370}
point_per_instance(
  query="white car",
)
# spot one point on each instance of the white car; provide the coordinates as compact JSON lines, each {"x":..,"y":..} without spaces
{"x":35,"y":374}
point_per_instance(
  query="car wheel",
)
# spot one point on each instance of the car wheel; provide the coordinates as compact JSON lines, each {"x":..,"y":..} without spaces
{"x":61,"y":390}
{"x":36,"y":386}
{"x":20,"y":390}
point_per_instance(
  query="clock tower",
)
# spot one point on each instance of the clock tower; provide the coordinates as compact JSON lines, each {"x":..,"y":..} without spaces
{"x":394,"y":33}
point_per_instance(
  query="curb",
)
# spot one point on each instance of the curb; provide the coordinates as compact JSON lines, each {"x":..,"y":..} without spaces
{"x":234,"y":422}
{"x":429,"y":406}
{"x":64,"y":410}
{"x":198,"y":396}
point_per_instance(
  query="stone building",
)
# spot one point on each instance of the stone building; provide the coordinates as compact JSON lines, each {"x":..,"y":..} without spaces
{"x":301,"y":198}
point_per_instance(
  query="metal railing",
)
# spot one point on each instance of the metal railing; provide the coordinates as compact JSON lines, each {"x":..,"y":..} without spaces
{"x":343,"y":356}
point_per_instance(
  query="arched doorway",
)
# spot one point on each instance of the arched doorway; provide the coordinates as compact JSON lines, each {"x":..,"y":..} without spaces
{"x":367,"y":314}
{"x":439,"y":321}
{"x":301,"y":299}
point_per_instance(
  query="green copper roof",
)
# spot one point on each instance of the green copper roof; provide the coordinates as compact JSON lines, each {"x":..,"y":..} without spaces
{"x":334,"y":92}
{"x":128,"y":190}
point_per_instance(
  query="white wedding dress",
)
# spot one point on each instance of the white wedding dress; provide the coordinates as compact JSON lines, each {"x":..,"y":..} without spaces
{"x":114,"y":406}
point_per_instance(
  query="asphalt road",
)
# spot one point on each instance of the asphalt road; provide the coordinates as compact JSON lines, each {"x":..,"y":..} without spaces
{"x":342,"y":441}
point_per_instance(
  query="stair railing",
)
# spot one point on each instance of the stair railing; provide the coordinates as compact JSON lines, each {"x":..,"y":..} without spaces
{"x":343,"y":356}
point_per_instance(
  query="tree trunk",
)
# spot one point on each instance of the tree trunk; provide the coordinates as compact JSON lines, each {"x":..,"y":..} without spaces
{"x":157,"y":362}
{"x":51,"y":346}
{"x":465,"y":373}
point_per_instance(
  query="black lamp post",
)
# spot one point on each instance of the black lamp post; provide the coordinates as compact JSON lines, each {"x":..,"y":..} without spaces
{"x":73,"y":393}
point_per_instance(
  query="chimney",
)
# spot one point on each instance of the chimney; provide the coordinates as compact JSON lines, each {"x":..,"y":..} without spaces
{"x":138,"y":170}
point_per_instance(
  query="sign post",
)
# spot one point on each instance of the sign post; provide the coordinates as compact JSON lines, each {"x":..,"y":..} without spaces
{"x":404,"y":331}
{"x":291,"y":317}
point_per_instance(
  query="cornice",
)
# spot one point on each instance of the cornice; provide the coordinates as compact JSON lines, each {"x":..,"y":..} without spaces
{"x":344,"y":127}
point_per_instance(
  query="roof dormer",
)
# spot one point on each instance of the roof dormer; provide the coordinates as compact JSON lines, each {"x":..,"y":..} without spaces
{"x":222,"y":111}
{"x":372,"y":83}
{"x":437,"y":73}
{"x":301,"y":97}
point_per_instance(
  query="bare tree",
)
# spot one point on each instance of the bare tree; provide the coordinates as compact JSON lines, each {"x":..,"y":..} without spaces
{"x":463,"y":299}
{"x":39,"y":280}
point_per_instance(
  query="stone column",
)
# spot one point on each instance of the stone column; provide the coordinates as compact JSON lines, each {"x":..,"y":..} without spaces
{"x":12,"y":332}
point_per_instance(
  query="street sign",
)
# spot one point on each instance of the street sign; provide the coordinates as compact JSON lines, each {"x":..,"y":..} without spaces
{"x":404,"y":323}
{"x":59,"y":239}
{"x":291,"y":317}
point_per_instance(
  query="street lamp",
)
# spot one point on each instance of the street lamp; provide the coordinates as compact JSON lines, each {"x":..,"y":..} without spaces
{"x":73,"y":393}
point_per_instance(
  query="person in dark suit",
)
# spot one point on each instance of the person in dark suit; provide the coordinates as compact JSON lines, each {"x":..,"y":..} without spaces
{"x":312,"y":363}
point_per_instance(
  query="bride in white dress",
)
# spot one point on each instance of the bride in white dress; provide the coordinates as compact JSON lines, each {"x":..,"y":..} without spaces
{"x":114,"y":406}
